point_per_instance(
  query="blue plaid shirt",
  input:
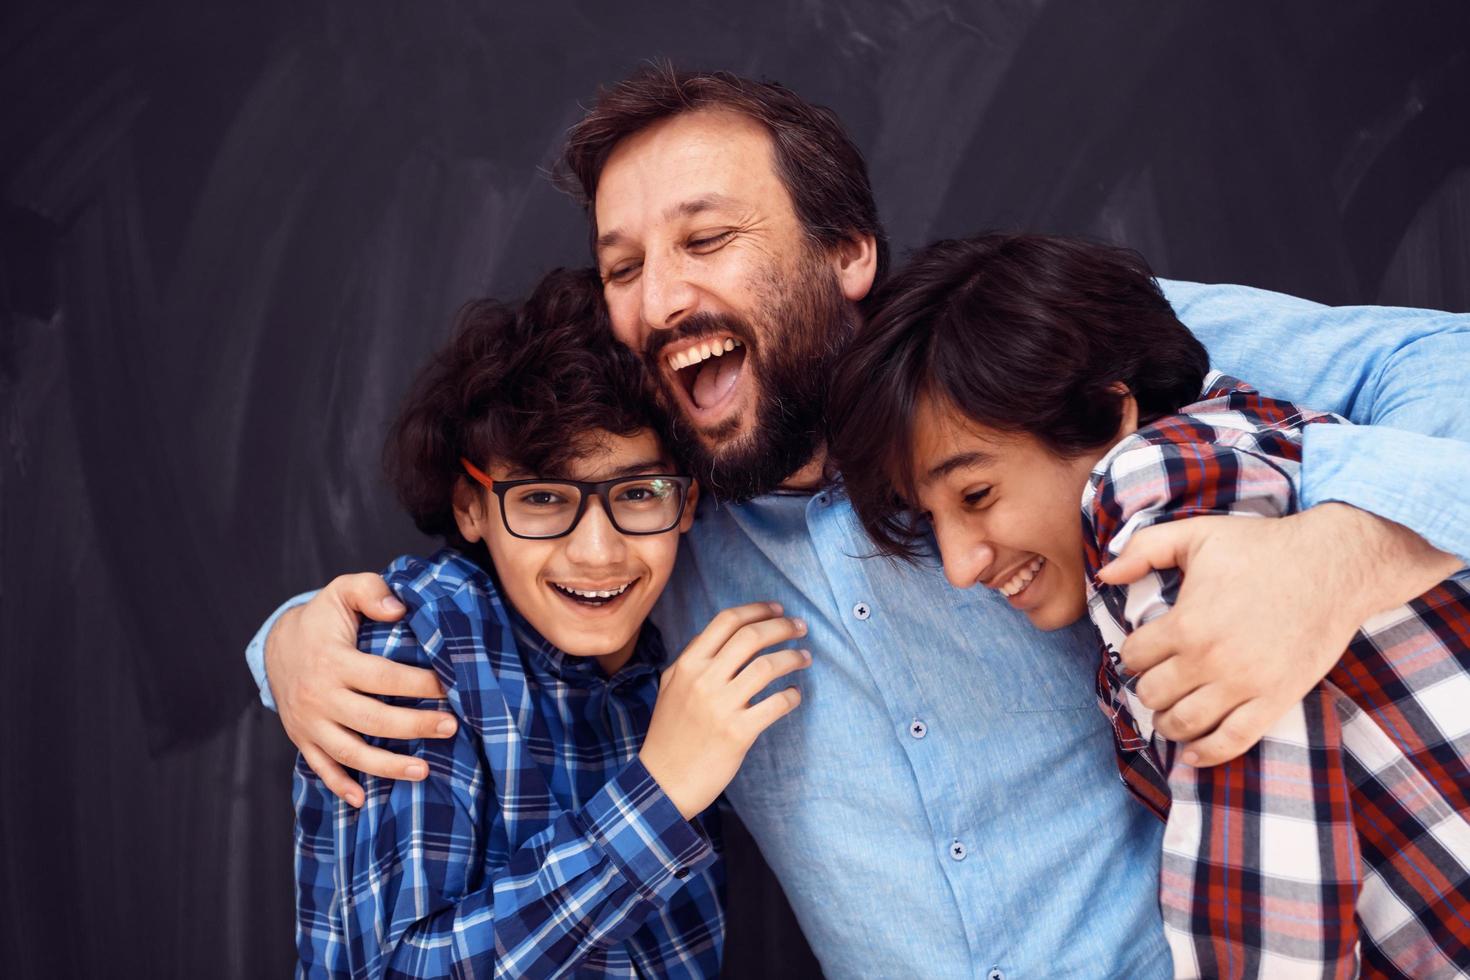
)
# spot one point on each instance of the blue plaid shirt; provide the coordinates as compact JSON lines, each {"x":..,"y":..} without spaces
{"x":538,"y":846}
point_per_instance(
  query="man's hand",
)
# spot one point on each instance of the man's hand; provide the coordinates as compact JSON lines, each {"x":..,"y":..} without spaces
{"x":1266,"y":608}
{"x":323,"y":686}
{"x":703,"y":722}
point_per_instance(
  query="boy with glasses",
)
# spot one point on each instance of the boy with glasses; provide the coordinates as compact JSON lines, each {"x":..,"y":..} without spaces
{"x":559,"y":829}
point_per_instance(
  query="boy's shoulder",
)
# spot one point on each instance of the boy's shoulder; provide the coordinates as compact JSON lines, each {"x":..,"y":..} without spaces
{"x":449,"y":600}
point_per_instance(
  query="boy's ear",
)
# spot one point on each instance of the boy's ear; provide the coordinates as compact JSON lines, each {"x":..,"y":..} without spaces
{"x":469,"y":510}
{"x":690,"y":504}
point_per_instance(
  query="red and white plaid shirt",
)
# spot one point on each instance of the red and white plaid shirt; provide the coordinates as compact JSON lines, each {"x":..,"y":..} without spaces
{"x":1341,"y":843}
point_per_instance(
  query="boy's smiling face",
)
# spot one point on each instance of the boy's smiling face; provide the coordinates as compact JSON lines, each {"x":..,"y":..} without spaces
{"x":1006,"y":511}
{"x":536,"y":575}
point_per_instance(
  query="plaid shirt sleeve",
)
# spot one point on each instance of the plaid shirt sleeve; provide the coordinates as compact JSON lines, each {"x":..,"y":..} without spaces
{"x":400,"y":888}
{"x":1261,"y":870}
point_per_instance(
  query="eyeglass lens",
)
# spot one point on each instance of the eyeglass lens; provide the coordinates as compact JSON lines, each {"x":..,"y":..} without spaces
{"x":641,"y":505}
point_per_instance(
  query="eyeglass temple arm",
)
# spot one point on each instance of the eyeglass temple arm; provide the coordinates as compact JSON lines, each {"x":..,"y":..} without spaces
{"x":477,"y":473}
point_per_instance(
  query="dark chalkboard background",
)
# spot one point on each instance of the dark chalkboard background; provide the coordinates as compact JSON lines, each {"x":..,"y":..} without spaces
{"x":231,"y":229}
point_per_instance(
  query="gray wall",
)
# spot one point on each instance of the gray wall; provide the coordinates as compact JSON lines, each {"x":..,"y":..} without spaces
{"x":230,"y":230}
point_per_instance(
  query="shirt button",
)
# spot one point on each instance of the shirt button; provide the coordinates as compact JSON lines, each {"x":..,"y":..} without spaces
{"x":957,"y":851}
{"x":995,"y":974}
{"x":918,"y":729}
{"x":861,"y":610}
{"x":682,"y":873}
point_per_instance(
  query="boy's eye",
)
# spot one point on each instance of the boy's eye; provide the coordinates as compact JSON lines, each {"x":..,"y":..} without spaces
{"x":975,"y":497}
{"x":642,"y":493}
{"x":542,"y":498}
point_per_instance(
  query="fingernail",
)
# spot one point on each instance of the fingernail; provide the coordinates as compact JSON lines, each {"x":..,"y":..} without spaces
{"x":806,"y":655}
{"x":446,"y":727}
{"x":354,"y":801}
{"x":775,"y":607}
{"x":800,"y":625}
{"x":416,"y":770}
{"x":392,"y":605}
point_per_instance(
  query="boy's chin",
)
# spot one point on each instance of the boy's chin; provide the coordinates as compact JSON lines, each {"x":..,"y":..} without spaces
{"x":1049,"y":619}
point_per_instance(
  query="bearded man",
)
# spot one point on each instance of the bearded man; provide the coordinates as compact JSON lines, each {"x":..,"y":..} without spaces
{"x":944,"y":802}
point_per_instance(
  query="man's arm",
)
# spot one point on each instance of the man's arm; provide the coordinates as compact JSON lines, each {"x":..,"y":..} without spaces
{"x":1379,"y":366}
{"x":306,"y":661}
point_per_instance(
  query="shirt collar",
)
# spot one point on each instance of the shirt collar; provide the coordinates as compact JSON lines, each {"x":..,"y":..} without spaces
{"x":648,"y":655}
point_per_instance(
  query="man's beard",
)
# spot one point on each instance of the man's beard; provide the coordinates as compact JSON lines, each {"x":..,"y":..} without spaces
{"x":798,"y":329}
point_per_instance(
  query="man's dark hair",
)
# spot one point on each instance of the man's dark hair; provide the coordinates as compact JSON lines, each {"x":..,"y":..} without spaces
{"x":1020,"y":333}
{"x":515,"y":387}
{"x":818,"y":163}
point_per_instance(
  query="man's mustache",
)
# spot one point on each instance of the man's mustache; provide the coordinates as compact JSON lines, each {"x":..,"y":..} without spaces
{"x":694,"y":327}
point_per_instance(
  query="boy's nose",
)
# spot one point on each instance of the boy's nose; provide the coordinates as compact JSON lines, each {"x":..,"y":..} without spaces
{"x":967,"y":558}
{"x":594,"y":541}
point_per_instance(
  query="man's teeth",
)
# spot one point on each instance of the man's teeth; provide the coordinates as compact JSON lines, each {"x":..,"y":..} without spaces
{"x":702,"y":352}
{"x":594,"y":593}
{"x":1022,"y":578}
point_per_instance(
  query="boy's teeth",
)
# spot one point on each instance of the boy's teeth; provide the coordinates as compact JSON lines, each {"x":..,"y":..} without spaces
{"x":1022,"y":578}
{"x":596,"y":593}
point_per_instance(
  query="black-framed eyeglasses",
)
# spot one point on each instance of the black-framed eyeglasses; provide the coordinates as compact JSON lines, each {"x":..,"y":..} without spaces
{"x":649,"y":503}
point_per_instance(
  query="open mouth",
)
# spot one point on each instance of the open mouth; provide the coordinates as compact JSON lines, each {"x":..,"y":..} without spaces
{"x":708,"y":372}
{"x":1015,"y":587}
{"x":592,"y":598}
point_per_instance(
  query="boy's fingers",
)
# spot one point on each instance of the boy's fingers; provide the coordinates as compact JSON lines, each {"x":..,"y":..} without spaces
{"x":772,"y":709}
{"x":348,"y":750}
{"x":760,"y":672}
{"x":371,"y":716}
{"x":378,"y":675}
{"x":366,"y":593}
{"x":753,"y":638}
{"x":333,"y":776}
{"x":726,"y":624}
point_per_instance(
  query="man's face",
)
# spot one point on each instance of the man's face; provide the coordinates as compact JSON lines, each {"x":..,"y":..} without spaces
{"x":709,"y":275}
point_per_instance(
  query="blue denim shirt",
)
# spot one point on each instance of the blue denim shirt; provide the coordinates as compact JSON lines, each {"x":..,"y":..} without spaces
{"x":944,"y":803}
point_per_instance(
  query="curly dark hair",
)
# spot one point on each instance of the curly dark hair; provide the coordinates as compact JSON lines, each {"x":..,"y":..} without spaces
{"x":518,"y":387}
{"x":1021,"y":333}
{"x":817,"y":161}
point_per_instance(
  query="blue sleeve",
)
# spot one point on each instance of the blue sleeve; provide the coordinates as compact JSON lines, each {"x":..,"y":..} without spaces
{"x":1398,"y":373}
{"x":255,"y":649}
{"x":402,"y":887}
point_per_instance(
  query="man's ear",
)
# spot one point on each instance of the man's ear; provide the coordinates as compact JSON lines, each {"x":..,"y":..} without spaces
{"x":855,"y":260}
{"x":690,"y":504}
{"x":470,"y":505}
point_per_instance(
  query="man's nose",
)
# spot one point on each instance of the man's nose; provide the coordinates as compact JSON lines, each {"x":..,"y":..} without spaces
{"x":594,"y":541}
{"x":967,"y":556}
{"x":668,"y":294}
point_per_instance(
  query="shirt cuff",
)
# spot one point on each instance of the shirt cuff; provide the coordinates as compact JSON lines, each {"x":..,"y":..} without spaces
{"x":633,"y":820}
{"x":1411,"y":479}
{"x":255,"y":649}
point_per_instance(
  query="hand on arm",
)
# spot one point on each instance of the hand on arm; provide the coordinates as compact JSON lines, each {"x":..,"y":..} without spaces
{"x":704,"y":723}
{"x":326,"y":690}
{"x":1265,"y":609}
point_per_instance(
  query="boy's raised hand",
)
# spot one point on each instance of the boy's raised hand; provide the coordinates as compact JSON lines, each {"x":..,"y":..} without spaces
{"x":703,"y":722}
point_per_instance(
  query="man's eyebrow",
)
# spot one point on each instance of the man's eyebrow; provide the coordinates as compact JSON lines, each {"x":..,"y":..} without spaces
{"x":975,"y":457}
{"x":684,"y":209}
